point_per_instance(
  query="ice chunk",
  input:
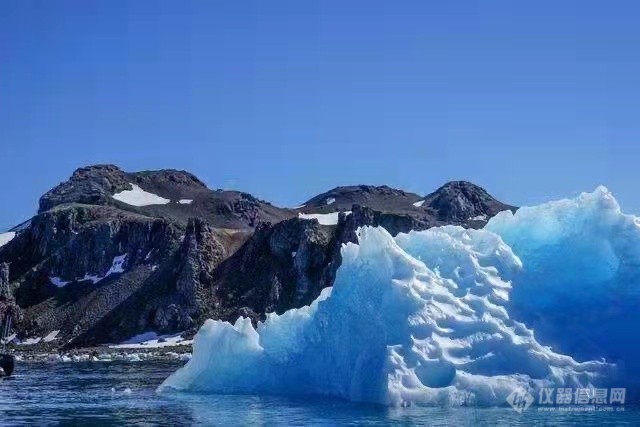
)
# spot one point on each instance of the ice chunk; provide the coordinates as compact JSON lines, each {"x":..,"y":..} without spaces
{"x":324,"y":219}
{"x":580,"y":285}
{"x":138,"y":197}
{"x":420,"y":319}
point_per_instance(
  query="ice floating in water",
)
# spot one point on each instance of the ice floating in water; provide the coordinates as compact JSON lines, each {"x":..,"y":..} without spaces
{"x":579,"y":288}
{"x":120,"y":357}
{"x":425,"y":318}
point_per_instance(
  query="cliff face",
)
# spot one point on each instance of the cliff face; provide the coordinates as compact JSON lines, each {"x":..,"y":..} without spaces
{"x":112,"y":254}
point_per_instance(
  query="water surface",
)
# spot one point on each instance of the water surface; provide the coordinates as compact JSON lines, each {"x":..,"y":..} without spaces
{"x":101,"y":393}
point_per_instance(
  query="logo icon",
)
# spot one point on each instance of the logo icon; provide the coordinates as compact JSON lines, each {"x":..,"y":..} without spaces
{"x":520,"y":400}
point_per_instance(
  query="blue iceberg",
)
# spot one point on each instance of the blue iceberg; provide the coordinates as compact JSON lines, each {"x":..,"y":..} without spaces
{"x":447,"y":316}
{"x":579,"y":287}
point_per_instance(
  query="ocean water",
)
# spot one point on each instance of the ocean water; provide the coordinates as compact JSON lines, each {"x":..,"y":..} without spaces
{"x":124,"y":393}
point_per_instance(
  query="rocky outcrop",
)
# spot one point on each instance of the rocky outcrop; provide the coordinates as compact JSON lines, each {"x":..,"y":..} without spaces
{"x":393,"y":223}
{"x":4,"y":280}
{"x":280,"y":267}
{"x":459,"y":202}
{"x":73,"y":266}
{"x":201,"y":253}
{"x":91,"y":185}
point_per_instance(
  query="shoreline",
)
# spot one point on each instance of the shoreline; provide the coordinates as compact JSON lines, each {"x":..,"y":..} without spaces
{"x":101,"y":354}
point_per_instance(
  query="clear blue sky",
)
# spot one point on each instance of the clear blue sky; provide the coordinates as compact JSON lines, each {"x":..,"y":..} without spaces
{"x":285,"y":100}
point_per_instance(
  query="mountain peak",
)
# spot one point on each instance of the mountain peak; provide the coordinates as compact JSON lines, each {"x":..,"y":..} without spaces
{"x":464,"y":201}
{"x":169,"y":177}
{"x":94,"y":170}
{"x":379,"y":197}
{"x":167,"y":193}
{"x":90,"y":185}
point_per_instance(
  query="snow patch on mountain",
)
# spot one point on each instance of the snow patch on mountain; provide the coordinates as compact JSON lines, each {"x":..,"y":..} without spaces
{"x":185,"y":201}
{"x":117,"y":267}
{"x":58,"y":282}
{"x":152,"y":340}
{"x":6,"y":237}
{"x":30,"y":341}
{"x":138,"y":197}
{"x":324,"y":219}
{"x":419,"y":203}
{"x":51,"y":336}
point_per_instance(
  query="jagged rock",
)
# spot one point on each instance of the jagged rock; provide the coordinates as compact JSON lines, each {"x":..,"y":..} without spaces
{"x":278,"y":268}
{"x":90,"y":185}
{"x":461,"y":201}
{"x":394,"y":223}
{"x":4,"y":279}
{"x":172,"y":317}
{"x":202,"y":252}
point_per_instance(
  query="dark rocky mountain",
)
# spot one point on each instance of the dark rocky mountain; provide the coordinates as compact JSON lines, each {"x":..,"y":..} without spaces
{"x":461,"y":202}
{"x":186,"y":197}
{"x":381,"y":198}
{"x":457,"y":202}
{"x":113,"y":254}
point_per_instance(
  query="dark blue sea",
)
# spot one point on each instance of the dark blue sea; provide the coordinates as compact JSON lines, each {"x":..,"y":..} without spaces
{"x":124,"y":394}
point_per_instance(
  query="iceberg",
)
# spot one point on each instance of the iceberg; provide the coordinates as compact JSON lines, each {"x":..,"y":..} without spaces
{"x":579,"y":287}
{"x":444,"y":316}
